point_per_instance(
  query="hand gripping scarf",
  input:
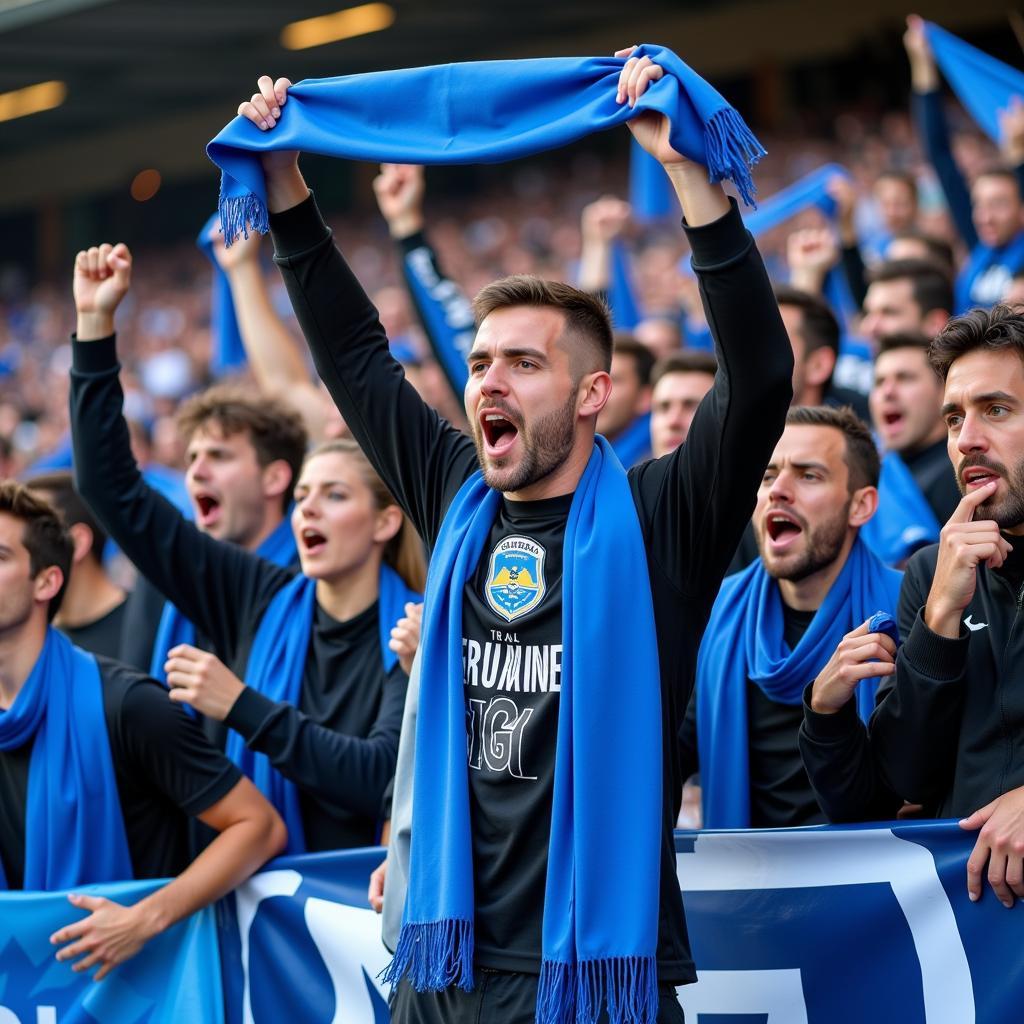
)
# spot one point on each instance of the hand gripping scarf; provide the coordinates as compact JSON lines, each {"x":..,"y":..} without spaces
{"x":480,"y":112}
{"x":601,"y":897}
{"x":74,"y":831}
{"x":276,"y":663}
{"x":744,"y":640}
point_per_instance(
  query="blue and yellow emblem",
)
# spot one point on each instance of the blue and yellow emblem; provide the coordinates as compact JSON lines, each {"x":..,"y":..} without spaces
{"x":515,"y":578}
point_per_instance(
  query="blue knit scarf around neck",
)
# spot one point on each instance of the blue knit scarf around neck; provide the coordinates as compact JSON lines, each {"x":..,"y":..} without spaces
{"x":74,"y":830}
{"x":744,"y":640}
{"x":275,"y":669}
{"x":601,"y":897}
{"x":479,"y":112}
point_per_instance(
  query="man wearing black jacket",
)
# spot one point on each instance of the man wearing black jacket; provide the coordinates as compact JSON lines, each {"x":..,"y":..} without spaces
{"x":691,"y":504}
{"x":946,"y":728}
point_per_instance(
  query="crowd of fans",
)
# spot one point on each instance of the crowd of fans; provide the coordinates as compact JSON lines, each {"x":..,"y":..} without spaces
{"x":881,"y":455}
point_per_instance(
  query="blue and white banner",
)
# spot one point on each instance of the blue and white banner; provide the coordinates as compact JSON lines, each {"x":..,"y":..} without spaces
{"x":802,"y":926}
{"x":176,"y":977}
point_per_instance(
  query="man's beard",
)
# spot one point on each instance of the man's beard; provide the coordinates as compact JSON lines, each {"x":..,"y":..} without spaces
{"x":823,"y":546}
{"x":546,"y":445}
{"x":1009,"y":512}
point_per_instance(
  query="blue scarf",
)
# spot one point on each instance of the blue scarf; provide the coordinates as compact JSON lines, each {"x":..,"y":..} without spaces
{"x":1006,"y":260}
{"x":622,"y":297}
{"x":744,"y":640}
{"x":74,"y":831}
{"x":277,"y":547}
{"x":481,"y":112}
{"x":228,"y":350}
{"x":633,"y":445}
{"x":601,"y":897}
{"x":651,"y":196}
{"x":904,"y":520}
{"x":810,"y":190}
{"x":276,"y":663}
{"x":983,"y":84}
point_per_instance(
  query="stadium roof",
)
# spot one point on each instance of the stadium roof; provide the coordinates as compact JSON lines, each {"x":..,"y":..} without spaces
{"x":148,"y":82}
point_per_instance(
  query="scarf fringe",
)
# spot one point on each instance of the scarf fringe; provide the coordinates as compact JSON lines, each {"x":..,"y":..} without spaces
{"x":731,"y":149}
{"x":577,"y":993}
{"x":434,"y":955}
{"x":239,"y":214}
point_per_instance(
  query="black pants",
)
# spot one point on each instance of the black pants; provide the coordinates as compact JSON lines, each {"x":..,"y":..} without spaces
{"x":498,"y":997}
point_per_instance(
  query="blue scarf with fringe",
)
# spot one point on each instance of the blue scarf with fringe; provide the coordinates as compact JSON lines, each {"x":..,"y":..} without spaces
{"x":983,"y":84}
{"x":904,"y":521}
{"x":276,"y":663}
{"x":277,"y":547}
{"x":478,"y":112}
{"x":601,"y":897}
{"x":228,"y":350}
{"x":74,"y":830}
{"x":744,"y":640}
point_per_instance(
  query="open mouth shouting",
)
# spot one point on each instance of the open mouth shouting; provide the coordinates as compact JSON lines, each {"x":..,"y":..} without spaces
{"x":782,"y":530}
{"x":892,"y":420}
{"x":209,"y":509}
{"x":498,"y":431}
{"x":313,"y":541}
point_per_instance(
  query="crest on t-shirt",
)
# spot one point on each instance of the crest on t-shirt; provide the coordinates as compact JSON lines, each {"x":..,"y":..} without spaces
{"x":515,"y":577}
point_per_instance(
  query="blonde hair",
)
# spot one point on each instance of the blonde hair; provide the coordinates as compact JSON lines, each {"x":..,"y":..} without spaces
{"x":404,"y":552}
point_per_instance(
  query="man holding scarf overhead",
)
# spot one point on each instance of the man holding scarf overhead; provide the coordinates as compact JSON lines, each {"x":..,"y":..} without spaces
{"x":99,"y":772}
{"x":776,"y":624}
{"x":566,"y":597}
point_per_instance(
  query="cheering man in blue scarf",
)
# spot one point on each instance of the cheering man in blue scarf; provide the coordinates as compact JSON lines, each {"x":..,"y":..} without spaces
{"x":99,"y":771}
{"x":775,"y":625}
{"x":565,"y":601}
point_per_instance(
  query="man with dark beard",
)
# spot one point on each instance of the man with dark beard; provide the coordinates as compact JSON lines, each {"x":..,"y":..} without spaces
{"x":946,"y":731}
{"x":775,"y":625}
{"x":546,"y":555}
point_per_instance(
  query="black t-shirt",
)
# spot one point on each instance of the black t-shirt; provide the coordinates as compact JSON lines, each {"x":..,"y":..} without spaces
{"x":933,"y":473}
{"x":103,"y":636}
{"x":780,"y":792}
{"x":340,"y":744}
{"x":691,"y":506}
{"x":166,"y":773}
{"x":512,"y":653}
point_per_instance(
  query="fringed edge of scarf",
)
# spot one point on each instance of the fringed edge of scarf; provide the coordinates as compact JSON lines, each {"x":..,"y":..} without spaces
{"x":732,"y":149}
{"x":577,"y":993}
{"x":434,"y":956}
{"x":239,"y":214}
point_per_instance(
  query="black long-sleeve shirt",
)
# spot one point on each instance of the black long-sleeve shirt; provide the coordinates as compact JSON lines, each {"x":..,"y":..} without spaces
{"x":340,"y":743}
{"x":692,"y":505}
{"x":946,"y":727}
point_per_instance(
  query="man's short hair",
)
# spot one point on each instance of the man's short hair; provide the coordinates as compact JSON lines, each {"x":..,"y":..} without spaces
{"x":275,"y":430}
{"x":903,"y":339}
{"x":586,"y":316}
{"x":938,"y":249}
{"x":930,"y":285}
{"x":819,"y":327}
{"x":903,"y":177}
{"x":1000,"y":171}
{"x":861,"y":453}
{"x":642,"y":356}
{"x":45,"y":536}
{"x":58,"y":488}
{"x":687,"y":361}
{"x":1000,"y":329}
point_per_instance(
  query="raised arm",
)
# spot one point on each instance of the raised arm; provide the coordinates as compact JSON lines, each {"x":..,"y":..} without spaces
{"x":930,"y":120}
{"x":222,"y":582}
{"x":443,"y":308}
{"x":275,"y":356}
{"x":421,"y":458}
{"x":696,"y":501}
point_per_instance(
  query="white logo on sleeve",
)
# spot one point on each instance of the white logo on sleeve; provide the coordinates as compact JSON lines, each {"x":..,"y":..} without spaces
{"x":974,"y":626}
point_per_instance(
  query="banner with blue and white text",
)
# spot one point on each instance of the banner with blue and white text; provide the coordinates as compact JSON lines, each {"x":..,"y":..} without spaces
{"x":801,"y":926}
